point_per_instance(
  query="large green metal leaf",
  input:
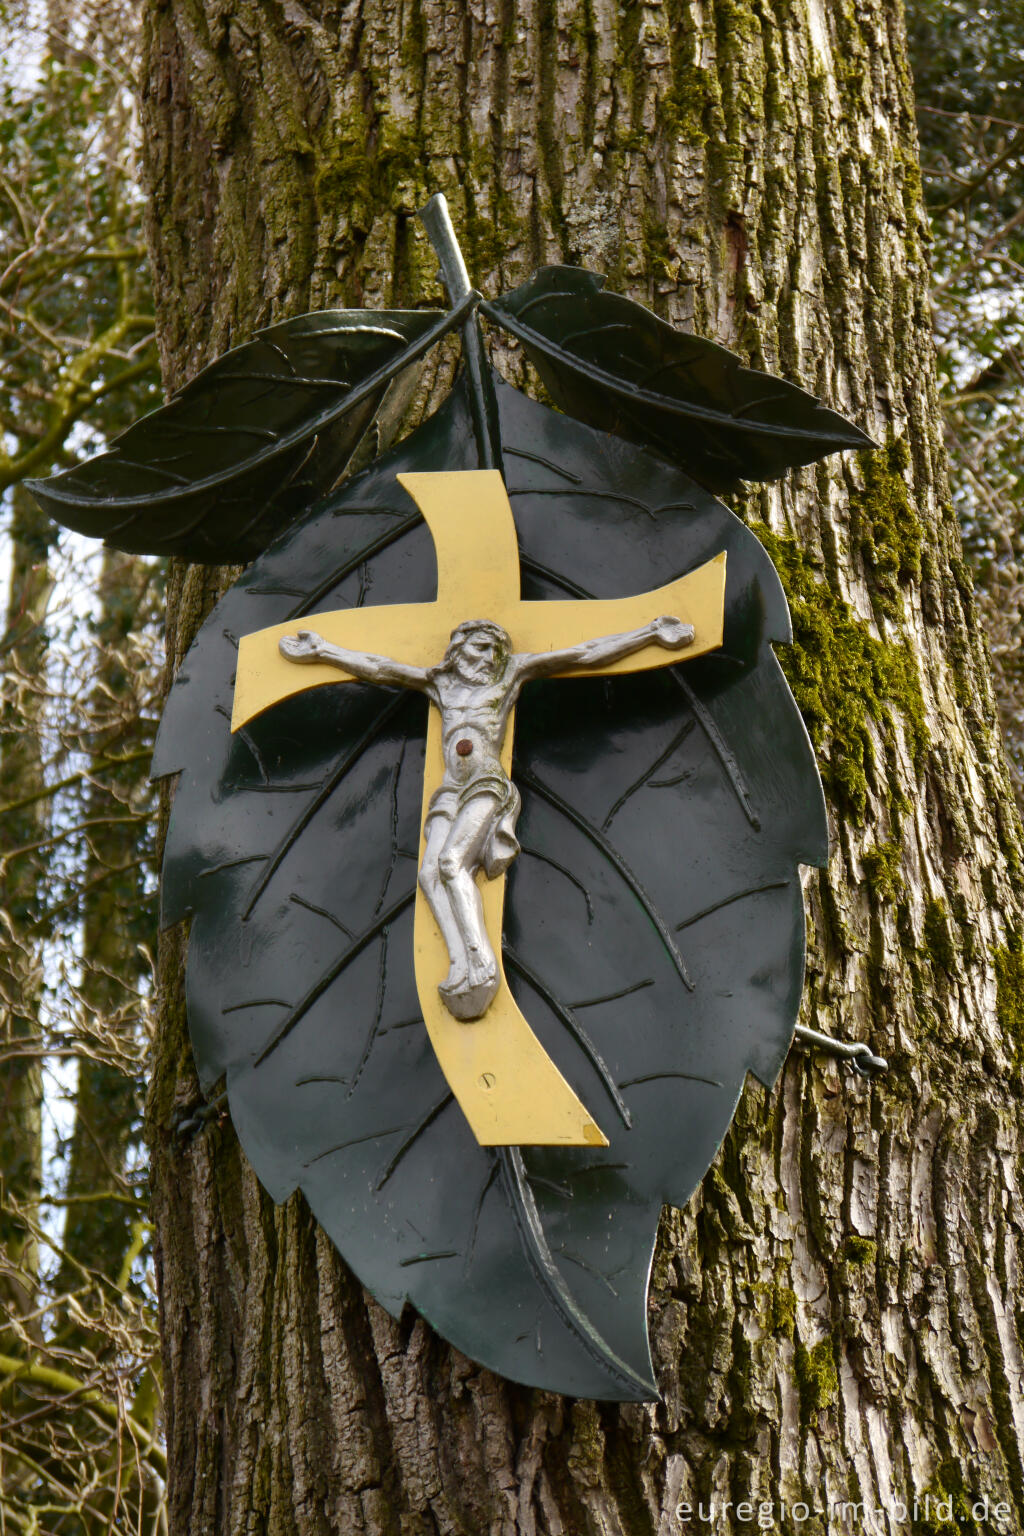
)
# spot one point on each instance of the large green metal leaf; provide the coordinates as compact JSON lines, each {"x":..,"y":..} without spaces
{"x":615,"y":365}
{"x":654,"y":926}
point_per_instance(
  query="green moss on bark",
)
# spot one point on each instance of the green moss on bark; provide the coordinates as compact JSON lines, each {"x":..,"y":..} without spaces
{"x":885,"y":527}
{"x":778,"y":1308}
{"x":844,"y":680}
{"x":859,"y":1250}
{"x":682,"y":110}
{"x":1009,"y":967}
{"x":882,"y":870}
{"x":938,"y":937}
{"x":816,"y":1377}
{"x":948,"y":1493}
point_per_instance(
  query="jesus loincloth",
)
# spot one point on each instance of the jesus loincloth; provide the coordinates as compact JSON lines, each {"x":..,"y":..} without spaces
{"x":501,"y":845}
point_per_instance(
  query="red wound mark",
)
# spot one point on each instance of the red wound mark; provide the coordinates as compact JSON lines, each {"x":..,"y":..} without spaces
{"x":464,"y":747}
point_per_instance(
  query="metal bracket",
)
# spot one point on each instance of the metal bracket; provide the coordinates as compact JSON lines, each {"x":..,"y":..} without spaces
{"x":192,"y":1121}
{"x":860,"y":1056}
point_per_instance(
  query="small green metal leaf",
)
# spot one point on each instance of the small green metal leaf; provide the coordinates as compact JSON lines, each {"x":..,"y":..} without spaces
{"x":613,"y":364}
{"x":216,"y":473}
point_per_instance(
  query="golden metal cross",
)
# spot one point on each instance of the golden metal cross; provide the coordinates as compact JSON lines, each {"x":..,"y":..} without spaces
{"x":508,"y":1087}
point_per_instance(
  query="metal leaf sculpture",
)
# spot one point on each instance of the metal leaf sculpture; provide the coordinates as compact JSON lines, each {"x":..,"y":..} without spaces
{"x":654,"y":929}
{"x":654,"y":921}
{"x":611,"y":363}
{"x":253,"y":440}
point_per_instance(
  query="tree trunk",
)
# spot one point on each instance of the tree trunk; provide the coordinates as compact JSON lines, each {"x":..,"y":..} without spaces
{"x":116,"y":919}
{"x":835,"y":1315}
{"x":24,"y":817}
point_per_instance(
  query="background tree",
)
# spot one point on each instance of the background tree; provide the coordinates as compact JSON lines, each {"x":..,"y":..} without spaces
{"x":967,"y":74}
{"x":76,"y":883}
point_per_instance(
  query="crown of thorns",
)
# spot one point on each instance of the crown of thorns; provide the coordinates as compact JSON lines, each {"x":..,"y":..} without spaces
{"x":468,"y":627}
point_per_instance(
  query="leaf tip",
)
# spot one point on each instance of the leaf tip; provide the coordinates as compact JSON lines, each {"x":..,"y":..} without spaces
{"x":37,"y":488}
{"x":645,"y":1390}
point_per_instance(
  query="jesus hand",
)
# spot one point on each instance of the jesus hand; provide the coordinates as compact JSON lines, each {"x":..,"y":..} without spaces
{"x":305,"y":646}
{"x":672,"y":633}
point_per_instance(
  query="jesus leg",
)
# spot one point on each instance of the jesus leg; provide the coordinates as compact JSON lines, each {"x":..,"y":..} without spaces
{"x":457,"y":865}
{"x":438,"y":828}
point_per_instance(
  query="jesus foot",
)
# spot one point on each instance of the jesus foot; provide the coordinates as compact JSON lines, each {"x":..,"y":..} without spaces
{"x":468,"y":996}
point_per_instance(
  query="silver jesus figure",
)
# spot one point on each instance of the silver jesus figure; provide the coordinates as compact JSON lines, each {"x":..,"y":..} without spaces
{"x":471,"y":820}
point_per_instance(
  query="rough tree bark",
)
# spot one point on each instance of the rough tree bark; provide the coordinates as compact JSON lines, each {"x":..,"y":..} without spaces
{"x":24,"y":818}
{"x":837,"y":1313}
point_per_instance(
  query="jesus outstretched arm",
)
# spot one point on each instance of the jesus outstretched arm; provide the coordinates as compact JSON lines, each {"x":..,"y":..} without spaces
{"x":307,"y":646}
{"x":667,"y":631}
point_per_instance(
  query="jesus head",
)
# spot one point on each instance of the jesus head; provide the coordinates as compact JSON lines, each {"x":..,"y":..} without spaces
{"x":478,"y":651}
